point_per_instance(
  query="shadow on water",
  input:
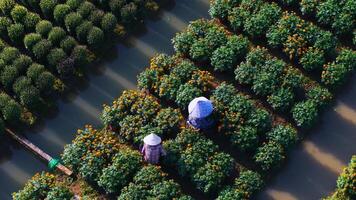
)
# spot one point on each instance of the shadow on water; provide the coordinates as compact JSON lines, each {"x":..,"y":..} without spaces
{"x":314,"y":166}
{"x":106,"y":80}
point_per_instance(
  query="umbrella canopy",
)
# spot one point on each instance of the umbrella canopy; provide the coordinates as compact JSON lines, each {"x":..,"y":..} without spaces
{"x":200,"y":107}
{"x":152,"y":139}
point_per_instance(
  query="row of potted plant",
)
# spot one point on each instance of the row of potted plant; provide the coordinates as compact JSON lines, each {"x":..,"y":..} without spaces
{"x":266,"y":76}
{"x":300,"y":40}
{"x":101,"y":158}
{"x":337,"y":15}
{"x":239,"y":118}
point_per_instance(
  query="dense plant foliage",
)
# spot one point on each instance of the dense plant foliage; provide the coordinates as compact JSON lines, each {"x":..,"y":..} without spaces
{"x":346,"y":183}
{"x":44,"y":186}
{"x":197,"y":158}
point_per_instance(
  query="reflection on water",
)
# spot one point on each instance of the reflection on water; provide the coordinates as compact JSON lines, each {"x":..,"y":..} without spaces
{"x":313,"y":167}
{"x":108,"y":80}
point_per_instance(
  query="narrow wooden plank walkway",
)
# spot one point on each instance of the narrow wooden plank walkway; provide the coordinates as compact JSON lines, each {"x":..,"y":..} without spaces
{"x":33,"y":148}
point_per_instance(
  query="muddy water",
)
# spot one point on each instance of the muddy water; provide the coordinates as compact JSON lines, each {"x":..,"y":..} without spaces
{"x":313,"y":167}
{"x":116,"y":73}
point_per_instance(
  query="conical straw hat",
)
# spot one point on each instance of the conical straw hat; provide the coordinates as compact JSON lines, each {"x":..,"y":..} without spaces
{"x":200,"y":107}
{"x":152,"y":139}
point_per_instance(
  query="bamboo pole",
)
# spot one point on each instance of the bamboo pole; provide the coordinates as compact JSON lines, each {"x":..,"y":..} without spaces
{"x":33,"y":148}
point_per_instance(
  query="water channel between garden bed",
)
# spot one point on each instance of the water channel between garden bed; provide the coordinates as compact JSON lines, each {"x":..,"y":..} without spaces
{"x":312,"y":167}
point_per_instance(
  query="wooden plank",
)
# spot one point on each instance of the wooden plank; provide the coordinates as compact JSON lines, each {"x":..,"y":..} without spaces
{"x":34,"y":149}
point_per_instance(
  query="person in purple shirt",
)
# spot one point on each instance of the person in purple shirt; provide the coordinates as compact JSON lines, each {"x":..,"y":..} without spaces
{"x":152,"y":149}
{"x":200,"y":113}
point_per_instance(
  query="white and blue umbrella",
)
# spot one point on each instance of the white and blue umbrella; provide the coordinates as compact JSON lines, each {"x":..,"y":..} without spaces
{"x":200,"y":107}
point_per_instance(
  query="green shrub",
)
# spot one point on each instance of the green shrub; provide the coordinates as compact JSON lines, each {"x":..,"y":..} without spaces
{"x":31,"y":40}
{"x":6,"y":6}
{"x":41,"y":49}
{"x":45,"y":82}
{"x":286,"y":136}
{"x":249,"y":182}
{"x":34,"y":71}
{"x":305,"y":113}
{"x":182,"y":42}
{"x":168,"y":86}
{"x":246,"y":138}
{"x":74,"y":4}
{"x":82,"y":31}
{"x":326,"y":42}
{"x":258,"y":118}
{"x":327,"y":11}
{"x":59,"y":192}
{"x":21,"y":84}
{"x":186,"y":93}
{"x":308,"y":7}
{"x":12,"y":112}
{"x":66,"y":67}
{"x":220,"y":8}
{"x":4,"y":23}
{"x":312,"y":59}
{"x":108,"y":23}
{"x":44,"y":27}
{"x":343,"y":23}
{"x":47,"y":7}
{"x":60,"y":12}
{"x":68,"y":44}
{"x":18,"y":13}
{"x":56,"y":35}
{"x":85,"y":9}
{"x":30,"y":97}
{"x":82,"y":56}
{"x":55,"y":56}
{"x":96,"y":16}
{"x":282,"y":99}
{"x":231,"y":194}
{"x":184,"y":70}
{"x":269,"y":156}
{"x":9,"y":54}
{"x":319,"y":95}
{"x":347,"y":57}
{"x":346,"y":181}
{"x":22,"y":63}
{"x":72,"y":20}
{"x":200,"y":50}
{"x":16,"y":32}
{"x":334,"y":74}
{"x":128,"y":13}
{"x":258,"y":24}
{"x":237,"y":17}
{"x":31,"y":20}
{"x":223,"y":59}
{"x":125,"y":164}
{"x":95,"y":37}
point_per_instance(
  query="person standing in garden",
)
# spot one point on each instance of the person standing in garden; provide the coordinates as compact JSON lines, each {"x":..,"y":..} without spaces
{"x":152,"y":148}
{"x":200,"y":113}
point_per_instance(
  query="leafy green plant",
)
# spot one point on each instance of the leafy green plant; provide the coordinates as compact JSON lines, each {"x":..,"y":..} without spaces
{"x":60,"y":12}
{"x":44,"y":27}
{"x":305,"y":113}
{"x":286,"y":136}
{"x":269,"y":156}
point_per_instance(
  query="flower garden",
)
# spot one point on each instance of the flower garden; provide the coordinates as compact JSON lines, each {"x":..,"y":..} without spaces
{"x":266,"y":95}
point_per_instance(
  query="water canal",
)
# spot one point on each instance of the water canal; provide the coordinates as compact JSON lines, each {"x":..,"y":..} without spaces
{"x":312,"y":167}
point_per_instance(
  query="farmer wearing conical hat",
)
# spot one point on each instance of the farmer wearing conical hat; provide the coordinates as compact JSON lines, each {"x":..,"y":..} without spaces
{"x":200,"y":113}
{"x":152,"y":149}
